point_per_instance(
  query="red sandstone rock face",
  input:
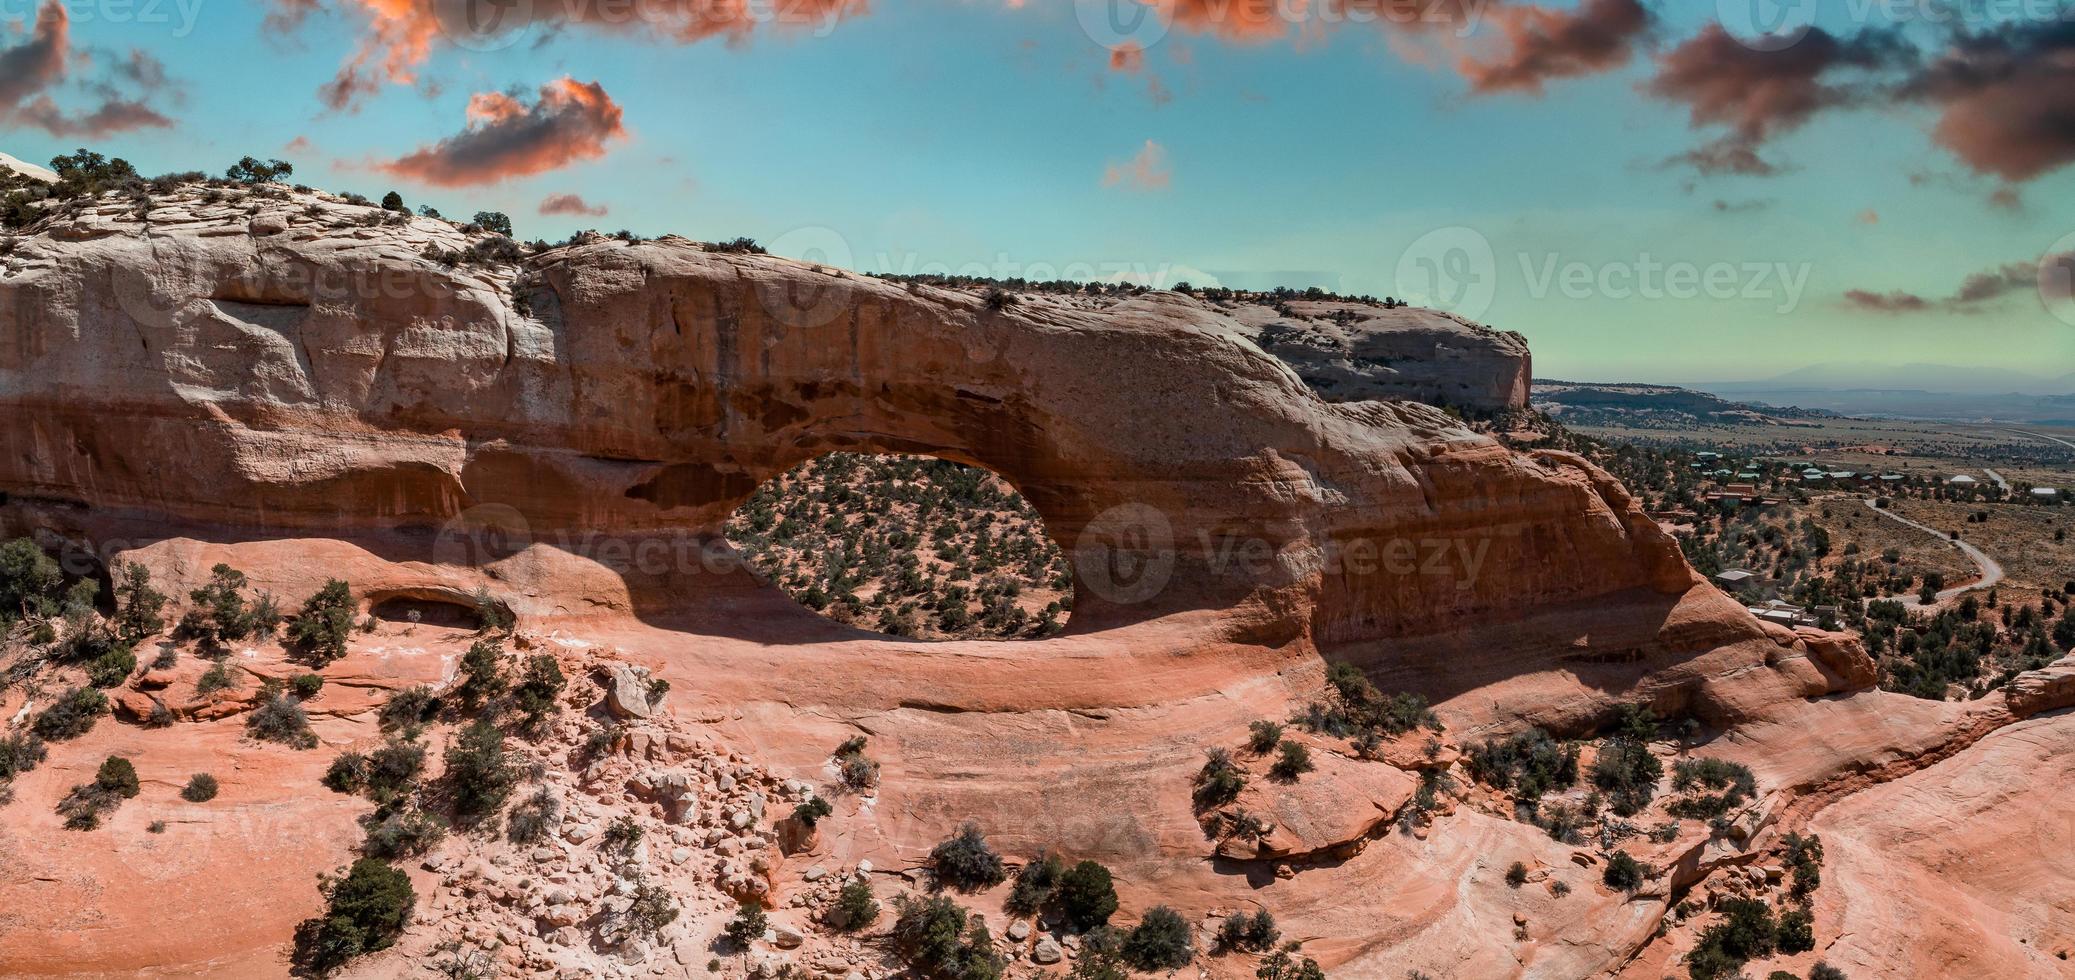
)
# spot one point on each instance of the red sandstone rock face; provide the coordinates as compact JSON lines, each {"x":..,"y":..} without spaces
{"x":307,"y":401}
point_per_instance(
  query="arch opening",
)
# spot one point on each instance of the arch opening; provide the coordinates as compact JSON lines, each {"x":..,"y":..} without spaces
{"x":426,"y":608}
{"x":906,"y":546}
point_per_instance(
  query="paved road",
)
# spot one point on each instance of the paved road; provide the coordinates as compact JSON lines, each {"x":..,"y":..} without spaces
{"x":1998,"y":477}
{"x":2042,"y":435}
{"x":1991,"y":572}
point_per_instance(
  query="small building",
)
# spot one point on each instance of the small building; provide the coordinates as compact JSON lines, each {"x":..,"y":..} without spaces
{"x":1735,"y":578}
{"x":1783,"y":613}
{"x":1745,"y":490}
{"x":2046,"y":493}
{"x":1963,"y":480}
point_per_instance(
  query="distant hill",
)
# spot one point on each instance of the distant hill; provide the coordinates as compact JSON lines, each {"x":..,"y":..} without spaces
{"x":1639,"y":405}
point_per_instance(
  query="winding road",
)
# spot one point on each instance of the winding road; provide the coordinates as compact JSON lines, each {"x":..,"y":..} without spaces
{"x":1991,"y":571}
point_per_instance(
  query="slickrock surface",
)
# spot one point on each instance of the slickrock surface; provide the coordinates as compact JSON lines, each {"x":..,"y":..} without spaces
{"x":298,"y":388}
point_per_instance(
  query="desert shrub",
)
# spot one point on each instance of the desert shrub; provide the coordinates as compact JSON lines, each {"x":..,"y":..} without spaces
{"x":219,"y":677}
{"x":1285,"y":964}
{"x":965,"y":862}
{"x":531,"y":819}
{"x":30,"y":581}
{"x":1745,"y":931}
{"x":857,"y":772}
{"x":811,"y":812}
{"x":400,"y":831}
{"x":408,"y":707}
{"x":1294,"y":761}
{"x":477,"y":774}
{"x":306,"y":686}
{"x":1160,"y":941}
{"x":1250,"y":933}
{"x":1623,"y":872}
{"x":112,"y":666}
{"x":1731,"y":784}
{"x":1263,"y":737}
{"x":855,"y":906}
{"x":19,"y":754}
{"x":1034,"y":884}
{"x":621,"y":836}
{"x":493,"y":615}
{"x":1219,"y":781}
{"x":939,"y":941}
{"x":139,"y":608}
{"x":1796,"y":931}
{"x":1824,"y":971}
{"x":495,"y":222}
{"x":740,"y":246}
{"x":71,"y":715}
{"x":649,"y":909}
{"x":482,"y":675}
{"x":1087,"y":897}
{"x":538,"y":688}
{"x":392,"y":771}
{"x":220,"y":613}
{"x":1516,"y":875}
{"x":1529,"y":764}
{"x":118,"y":776}
{"x":347,"y":773}
{"x":320,"y":631}
{"x":84,"y":806}
{"x":250,"y":170}
{"x":200,"y":788}
{"x":1627,"y":772}
{"x":1804,"y":859}
{"x":281,"y":718}
{"x":1358,"y":707}
{"x":393,"y":201}
{"x":365,"y":910}
{"x":748,"y":925}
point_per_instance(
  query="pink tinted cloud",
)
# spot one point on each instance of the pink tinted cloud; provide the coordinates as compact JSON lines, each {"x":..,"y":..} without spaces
{"x":1147,"y":170}
{"x":506,"y":138}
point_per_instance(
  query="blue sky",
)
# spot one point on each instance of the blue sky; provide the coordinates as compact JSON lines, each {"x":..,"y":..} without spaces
{"x":972,"y":136}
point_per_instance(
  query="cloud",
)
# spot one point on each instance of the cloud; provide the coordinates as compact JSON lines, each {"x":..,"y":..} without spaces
{"x":400,"y":35}
{"x":1146,"y":171}
{"x":1868,"y":217}
{"x":1975,"y":292}
{"x":1544,"y":44}
{"x":1759,"y":94}
{"x":570,"y":204}
{"x":31,"y":71}
{"x":2007,"y":199}
{"x":505,"y":138}
{"x":2006,"y":96}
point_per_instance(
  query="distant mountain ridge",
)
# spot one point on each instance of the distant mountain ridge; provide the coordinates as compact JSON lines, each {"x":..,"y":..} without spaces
{"x":1653,"y":405}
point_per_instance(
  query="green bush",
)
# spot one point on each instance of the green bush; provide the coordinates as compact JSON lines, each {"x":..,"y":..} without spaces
{"x":1529,"y":764}
{"x":531,"y":819}
{"x":365,"y":910}
{"x":347,"y":773}
{"x":306,"y":686}
{"x":1628,"y":773}
{"x":200,"y":788}
{"x":1254,"y":933}
{"x":1516,"y":875}
{"x":118,"y":776}
{"x":112,"y":667}
{"x":140,"y":609}
{"x":811,"y":812}
{"x":1219,"y":781}
{"x":1824,"y":971}
{"x":482,"y":675}
{"x":538,"y":688}
{"x":1087,"y":898}
{"x":1160,"y":941}
{"x":1263,"y":736}
{"x":281,"y":718}
{"x":320,"y":631}
{"x":748,"y":925}
{"x":1623,"y":872}
{"x":19,"y":754}
{"x":939,"y":941}
{"x":966,"y":862}
{"x":1284,"y":964}
{"x":396,"y":832}
{"x":1034,"y":884}
{"x":408,"y":707}
{"x":1745,"y":931}
{"x":30,"y":581}
{"x":71,"y":715}
{"x":855,"y":906}
{"x":219,"y":677}
{"x":477,"y":774}
{"x":1295,"y":761}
